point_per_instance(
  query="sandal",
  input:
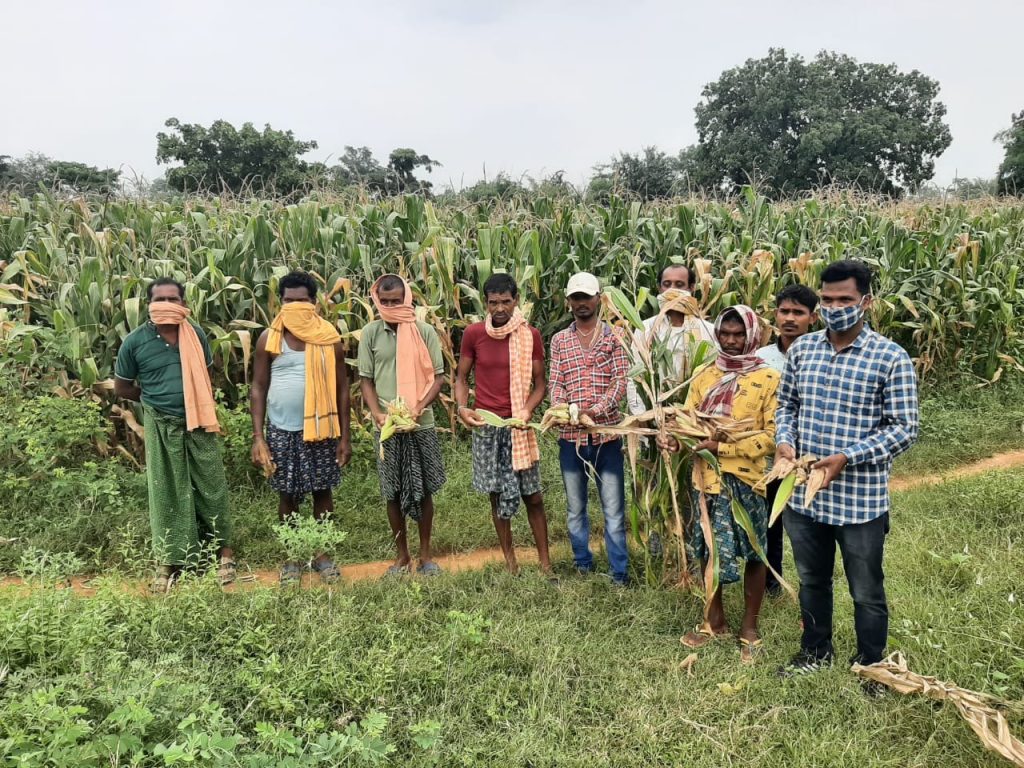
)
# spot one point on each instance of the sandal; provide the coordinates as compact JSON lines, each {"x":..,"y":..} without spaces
{"x":750,"y":649}
{"x":429,"y":569}
{"x":227,"y":572}
{"x":163,"y":579}
{"x":702,"y":635}
{"x":396,"y":570}
{"x":328,"y":571}
{"x":291,"y":573}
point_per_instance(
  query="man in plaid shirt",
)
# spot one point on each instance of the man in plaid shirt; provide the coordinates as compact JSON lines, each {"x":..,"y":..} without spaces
{"x":588,"y":368}
{"x":849,"y":397}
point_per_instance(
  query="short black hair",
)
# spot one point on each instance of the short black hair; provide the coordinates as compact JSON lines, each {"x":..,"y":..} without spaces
{"x":691,"y":278}
{"x":838,"y":271}
{"x":390,"y":283}
{"x":165,"y":280}
{"x":799,"y":294}
{"x":297,"y":279}
{"x":501,"y":282}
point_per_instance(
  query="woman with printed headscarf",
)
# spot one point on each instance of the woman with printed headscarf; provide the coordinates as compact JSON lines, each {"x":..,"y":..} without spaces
{"x":742,"y":387}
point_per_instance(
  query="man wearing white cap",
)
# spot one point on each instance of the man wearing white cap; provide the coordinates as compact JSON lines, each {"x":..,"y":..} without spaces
{"x":588,"y":369}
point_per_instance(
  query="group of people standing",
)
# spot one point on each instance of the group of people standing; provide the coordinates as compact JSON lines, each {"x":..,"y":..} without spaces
{"x":845,"y":395}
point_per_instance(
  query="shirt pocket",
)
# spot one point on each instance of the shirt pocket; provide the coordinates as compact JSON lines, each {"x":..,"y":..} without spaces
{"x":858,"y":389}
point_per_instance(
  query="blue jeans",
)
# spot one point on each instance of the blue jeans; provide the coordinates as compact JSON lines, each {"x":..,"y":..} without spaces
{"x":814,"y":550}
{"x":605,"y":462}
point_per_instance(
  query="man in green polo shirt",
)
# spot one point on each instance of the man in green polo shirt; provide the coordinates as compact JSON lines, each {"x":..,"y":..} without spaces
{"x":410,"y":466}
{"x":188,"y":497}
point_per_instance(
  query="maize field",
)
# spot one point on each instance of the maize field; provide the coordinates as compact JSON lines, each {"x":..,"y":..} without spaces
{"x":73,"y":273}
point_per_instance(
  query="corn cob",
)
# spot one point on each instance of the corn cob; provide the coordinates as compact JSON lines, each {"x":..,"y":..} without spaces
{"x":398,"y":420}
{"x":494,"y":420}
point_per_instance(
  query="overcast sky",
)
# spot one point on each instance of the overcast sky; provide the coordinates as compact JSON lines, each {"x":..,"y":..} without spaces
{"x":522,"y":86}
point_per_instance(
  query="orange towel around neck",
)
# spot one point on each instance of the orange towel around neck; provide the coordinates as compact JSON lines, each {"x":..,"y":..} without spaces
{"x":320,"y":417}
{"x":200,"y":409}
{"x":414,"y":369}
{"x":525,"y":451}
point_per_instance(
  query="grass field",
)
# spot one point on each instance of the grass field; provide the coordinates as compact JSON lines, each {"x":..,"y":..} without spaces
{"x":98,"y":509}
{"x":487,"y":669}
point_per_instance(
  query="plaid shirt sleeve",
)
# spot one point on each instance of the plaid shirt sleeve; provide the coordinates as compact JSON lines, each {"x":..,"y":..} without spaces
{"x":556,"y":385}
{"x":789,"y":403}
{"x":608,"y":404}
{"x":899,"y":424}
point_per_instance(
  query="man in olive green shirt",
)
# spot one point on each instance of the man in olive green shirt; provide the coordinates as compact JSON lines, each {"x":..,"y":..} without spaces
{"x":411,"y":467}
{"x":188,"y":497}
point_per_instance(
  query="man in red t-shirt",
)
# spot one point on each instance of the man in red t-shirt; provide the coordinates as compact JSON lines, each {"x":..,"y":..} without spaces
{"x":506,"y":356}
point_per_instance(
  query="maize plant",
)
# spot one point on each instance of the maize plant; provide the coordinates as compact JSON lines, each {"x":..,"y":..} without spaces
{"x":947,"y":288}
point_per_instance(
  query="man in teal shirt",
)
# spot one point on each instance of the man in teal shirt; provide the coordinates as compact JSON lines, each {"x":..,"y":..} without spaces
{"x":188,"y":497}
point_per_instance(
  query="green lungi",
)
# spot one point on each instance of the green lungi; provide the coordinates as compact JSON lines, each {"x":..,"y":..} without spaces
{"x":188,"y":491}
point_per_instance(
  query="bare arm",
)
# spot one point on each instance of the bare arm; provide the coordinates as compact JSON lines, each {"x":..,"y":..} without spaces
{"x":431,"y":396}
{"x":344,"y":404}
{"x":465,"y":413}
{"x":260,"y":385}
{"x":369,"y":391}
{"x":540,"y":385}
{"x":127,"y":390}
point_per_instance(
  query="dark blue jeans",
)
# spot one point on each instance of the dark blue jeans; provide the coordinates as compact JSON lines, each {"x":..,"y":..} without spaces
{"x":814,"y":550}
{"x":605,"y":463}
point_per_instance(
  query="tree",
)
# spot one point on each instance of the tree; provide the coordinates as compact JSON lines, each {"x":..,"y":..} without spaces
{"x":83,"y":178}
{"x":648,"y":175}
{"x":358,"y":167}
{"x":792,"y":125}
{"x":1010,"y":179}
{"x":28,"y":172}
{"x":402,"y":163}
{"x":223,"y":157}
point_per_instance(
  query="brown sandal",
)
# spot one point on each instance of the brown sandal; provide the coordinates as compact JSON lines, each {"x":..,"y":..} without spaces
{"x":702,"y":635}
{"x":750,"y":649}
{"x":227,"y":572}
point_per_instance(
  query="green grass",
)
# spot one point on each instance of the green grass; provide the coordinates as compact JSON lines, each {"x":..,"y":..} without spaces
{"x":97,"y":509}
{"x":517,"y":672}
{"x":969,"y":424}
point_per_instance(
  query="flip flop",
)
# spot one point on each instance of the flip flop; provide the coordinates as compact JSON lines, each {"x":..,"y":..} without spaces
{"x":227,"y":572}
{"x":429,"y":569}
{"x":291,"y":573}
{"x":328,"y":571}
{"x":750,"y":649}
{"x":396,"y":570}
{"x":162,"y":582}
{"x":702,"y":635}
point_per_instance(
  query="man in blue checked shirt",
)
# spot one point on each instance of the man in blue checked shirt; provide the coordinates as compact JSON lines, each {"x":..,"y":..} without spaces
{"x":848,"y":397}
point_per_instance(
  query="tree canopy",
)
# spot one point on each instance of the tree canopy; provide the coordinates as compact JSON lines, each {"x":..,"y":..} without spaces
{"x":34,"y":169}
{"x":1010,"y":179}
{"x":792,"y":125}
{"x":223,"y":157}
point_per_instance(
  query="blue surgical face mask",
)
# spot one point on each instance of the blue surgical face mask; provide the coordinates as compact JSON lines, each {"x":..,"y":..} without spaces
{"x":840,"y":319}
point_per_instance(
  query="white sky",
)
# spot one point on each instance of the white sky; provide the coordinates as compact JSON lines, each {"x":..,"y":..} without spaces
{"x":523,"y":86}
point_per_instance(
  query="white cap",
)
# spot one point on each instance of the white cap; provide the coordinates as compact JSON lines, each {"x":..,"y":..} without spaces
{"x":583,"y":282}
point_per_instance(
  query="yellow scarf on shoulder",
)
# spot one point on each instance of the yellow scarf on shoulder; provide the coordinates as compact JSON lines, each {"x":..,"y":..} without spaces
{"x":321,"y":419}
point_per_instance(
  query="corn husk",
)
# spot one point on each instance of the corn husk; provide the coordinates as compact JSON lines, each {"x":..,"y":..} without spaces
{"x":979,"y":710}
{"x":398,"y":420}
{"x":492,"y":419}
{"x":792,"y":473}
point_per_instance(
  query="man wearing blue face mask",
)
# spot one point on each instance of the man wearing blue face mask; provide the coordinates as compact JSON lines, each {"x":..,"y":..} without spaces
{"x":849,"y":397}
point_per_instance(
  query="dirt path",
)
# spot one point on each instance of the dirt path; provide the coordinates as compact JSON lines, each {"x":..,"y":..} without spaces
{"x":1007,"y":460}
{"x":479,"y":558}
